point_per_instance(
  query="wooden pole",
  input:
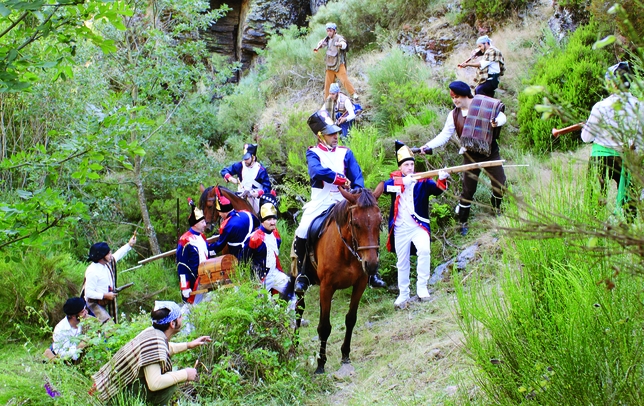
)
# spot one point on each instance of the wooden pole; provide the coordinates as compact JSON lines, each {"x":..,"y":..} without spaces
{"x":575,"y":127}
{"x":457,"y":169}
{"x":171,"y":252}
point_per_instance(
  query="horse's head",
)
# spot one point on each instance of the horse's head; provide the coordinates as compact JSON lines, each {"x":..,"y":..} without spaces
{"x":360,"y":213}
{"x":207,"y":204}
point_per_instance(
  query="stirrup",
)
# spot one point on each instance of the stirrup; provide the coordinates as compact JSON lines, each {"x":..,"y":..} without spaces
{"x":300,"y":284}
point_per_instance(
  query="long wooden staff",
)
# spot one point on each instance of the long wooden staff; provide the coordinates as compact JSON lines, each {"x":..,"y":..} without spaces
{"x":456,"y":169}
{"x":575,"y":127}
{"x":169,"y":253}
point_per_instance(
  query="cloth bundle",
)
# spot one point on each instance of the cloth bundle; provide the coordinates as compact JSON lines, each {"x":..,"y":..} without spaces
{"x":478,"y":132}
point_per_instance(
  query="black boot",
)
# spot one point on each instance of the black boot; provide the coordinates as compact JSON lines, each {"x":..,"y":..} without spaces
{"x":463,"y":216}
{"x":496,"y":204}
{"x":376,"y":282}
{"x":302,"y":281}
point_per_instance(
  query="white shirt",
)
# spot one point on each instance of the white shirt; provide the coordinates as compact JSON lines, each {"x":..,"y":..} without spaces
{"x":450,"y":129}
{"x":63,"y":346}
{"x":606,"y":125}
{"x":271,"y":250}
{"x":98,"y":279}
{"x":405,"y":209}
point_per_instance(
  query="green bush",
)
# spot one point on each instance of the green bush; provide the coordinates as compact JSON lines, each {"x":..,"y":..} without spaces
{"x":491,"y":10}
{"x":572,"y":76}
{"x":40,"y":280}
{"x":289,"y":60}
{"x":239,"y":111}
{"x":253,"y":349}
{"x":399,"y":89}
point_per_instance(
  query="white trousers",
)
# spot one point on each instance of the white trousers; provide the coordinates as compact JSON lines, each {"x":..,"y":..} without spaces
{"x":404,"y":237}
{"x":276,"y":279}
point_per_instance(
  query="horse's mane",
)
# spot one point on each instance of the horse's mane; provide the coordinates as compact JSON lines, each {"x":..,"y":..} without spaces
{"x":204,"y":197}
{"x":340,"y":213}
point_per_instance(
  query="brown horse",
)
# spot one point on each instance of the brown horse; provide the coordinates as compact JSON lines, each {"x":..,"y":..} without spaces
{"x":346,"y":254}
{"x":207,"y":203}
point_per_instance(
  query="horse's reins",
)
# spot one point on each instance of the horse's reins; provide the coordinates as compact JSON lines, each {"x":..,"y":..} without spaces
{"x":355,"y":251}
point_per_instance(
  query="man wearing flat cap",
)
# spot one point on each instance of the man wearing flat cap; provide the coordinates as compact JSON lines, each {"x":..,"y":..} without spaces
{"x":100,"y":279}
{"x":263,"y":249}
{"x":251,"y":176}
{"x":335,"y":60}
{"x":192,"y":250}
{"x":142,"y":370}
{"x":66,"y":345}
{"x":476,"y":120}
{"x":489,"y":68}
{"x":330,"y":167}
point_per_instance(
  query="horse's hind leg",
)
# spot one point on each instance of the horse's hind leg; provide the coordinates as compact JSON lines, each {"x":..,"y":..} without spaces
{"x":352,"y":317}
{"x":324,"y":327}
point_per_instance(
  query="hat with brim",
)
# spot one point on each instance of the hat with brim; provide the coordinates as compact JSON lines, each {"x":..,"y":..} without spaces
{"x":98,"y":251}
{"x":249,"y":151}
{"x":267,"y":207}
{"x":403,"y":153}
{"x":74,"y":306}
{"x":196,"y":214}
{"x":322,"y":124}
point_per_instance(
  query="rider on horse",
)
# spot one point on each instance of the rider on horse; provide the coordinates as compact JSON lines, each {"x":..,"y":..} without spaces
{"x":235,"y":228}
{"x":330,"y":167}
{"x":252,"y":177}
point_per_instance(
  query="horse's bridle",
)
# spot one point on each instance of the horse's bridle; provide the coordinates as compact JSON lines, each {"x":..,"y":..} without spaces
{"x":354,"y":248}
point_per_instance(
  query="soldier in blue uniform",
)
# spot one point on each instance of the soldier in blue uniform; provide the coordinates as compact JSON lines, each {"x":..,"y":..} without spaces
{"x":330,"y":167}
{"x":251,"y":176}
{"x":409,"y":229}
{"x":262,"y":249}
{"x":235,"y":229}
{"x":192,"y":250}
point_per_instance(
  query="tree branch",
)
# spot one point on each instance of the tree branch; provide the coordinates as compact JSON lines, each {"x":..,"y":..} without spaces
{"x":53,"y":224}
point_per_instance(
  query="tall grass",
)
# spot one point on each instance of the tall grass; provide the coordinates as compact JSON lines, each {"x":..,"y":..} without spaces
{"x":561,"y":326}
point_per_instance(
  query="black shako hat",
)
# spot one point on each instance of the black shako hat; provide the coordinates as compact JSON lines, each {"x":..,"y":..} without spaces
{"x":74,"y":305}
{"x":196,"y":215}
{"x":403,"y":153}
{"x":322,"y":124}
{"x":460,"y":89}
{"x":98,"y":251}
{"x":267,"y":207}
{"x":249,"y":150}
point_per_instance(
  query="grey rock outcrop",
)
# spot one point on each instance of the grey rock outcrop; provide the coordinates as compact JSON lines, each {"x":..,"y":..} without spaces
{"x":248,"y":25}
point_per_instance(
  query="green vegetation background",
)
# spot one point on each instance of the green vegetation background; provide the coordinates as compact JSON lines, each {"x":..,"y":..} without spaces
{"x":104,"y":116}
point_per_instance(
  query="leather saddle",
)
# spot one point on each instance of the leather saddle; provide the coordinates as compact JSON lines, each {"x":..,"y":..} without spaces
{"x":316,"y":229}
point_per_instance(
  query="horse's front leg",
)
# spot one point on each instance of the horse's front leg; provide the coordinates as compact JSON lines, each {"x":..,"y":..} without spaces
{"x":352,"y":317}
{"x":324,"y":326}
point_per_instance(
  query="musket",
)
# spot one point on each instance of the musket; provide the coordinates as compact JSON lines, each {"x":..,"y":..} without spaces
{"x":417,"y":150}
{"x":575,"y":127}
{"x":324,"y":41}
{"x":170,"y":253}
{"x":346,"y":113}
{"x":457,"y":169}
{"x":120,"y":288}
{"x":474,"y":55}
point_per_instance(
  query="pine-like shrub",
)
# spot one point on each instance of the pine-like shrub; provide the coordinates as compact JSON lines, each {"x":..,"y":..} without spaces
{"x":572,"y":76}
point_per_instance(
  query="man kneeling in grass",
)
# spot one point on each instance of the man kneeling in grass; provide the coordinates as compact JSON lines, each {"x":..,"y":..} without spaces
{"x":409,"y":221}
{"x":142,"y":368}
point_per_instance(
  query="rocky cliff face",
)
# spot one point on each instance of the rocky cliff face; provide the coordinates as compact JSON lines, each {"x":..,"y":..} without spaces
{"x":247,"y":25}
